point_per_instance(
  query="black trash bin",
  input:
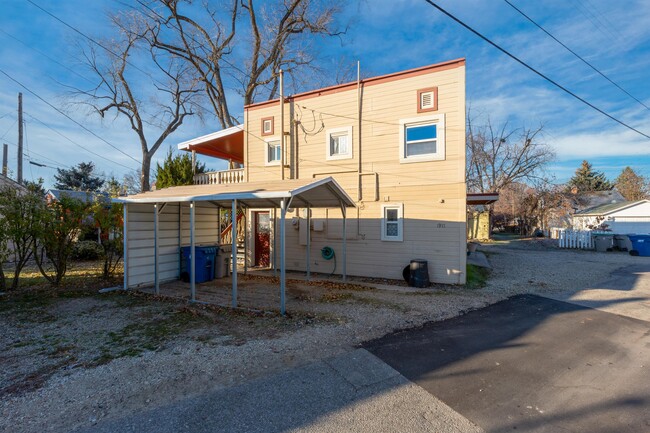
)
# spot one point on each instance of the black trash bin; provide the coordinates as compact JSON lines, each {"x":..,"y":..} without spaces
{"x":419,"y":273}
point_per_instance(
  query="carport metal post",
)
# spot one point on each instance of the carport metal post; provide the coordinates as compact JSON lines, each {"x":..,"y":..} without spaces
{"x":245,"y":212}
{"x":345,"y":243}
{"x":284,"y":204}
{"x":156,"y":282}
{"x":192,"y":252}
{"x":275,"y":237}
{"x":125,"y":237}
{"x":308,"y":257}
{"x":233,"y":232}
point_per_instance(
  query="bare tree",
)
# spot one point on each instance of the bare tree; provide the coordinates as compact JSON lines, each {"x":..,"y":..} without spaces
{"x":499,"y":156}
{"x":239,"y":43}
{"x":158,"y":107}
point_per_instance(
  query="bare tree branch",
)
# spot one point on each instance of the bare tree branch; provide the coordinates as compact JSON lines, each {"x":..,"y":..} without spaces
{"x":498,"y":157}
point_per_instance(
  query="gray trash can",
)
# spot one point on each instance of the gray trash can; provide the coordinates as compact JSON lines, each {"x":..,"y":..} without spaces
{"x":222,"y":261}
{"x":622,"y":243}
{"x":419,"y":273}
{"x":604,"y":243}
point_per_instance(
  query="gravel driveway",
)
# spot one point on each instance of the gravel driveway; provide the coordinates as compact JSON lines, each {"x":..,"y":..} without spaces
{"x":186,"y":367}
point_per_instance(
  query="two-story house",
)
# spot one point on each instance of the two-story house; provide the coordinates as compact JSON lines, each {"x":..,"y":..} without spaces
{"x":354,"y":179}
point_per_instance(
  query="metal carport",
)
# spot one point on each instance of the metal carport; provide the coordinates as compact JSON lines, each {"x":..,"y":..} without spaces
{"x":323,"y":193}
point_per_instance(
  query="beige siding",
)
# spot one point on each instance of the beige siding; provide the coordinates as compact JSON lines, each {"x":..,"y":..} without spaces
{"x":431,"y":231}
{"x":140,"y":238}
{"x":433,"y":193}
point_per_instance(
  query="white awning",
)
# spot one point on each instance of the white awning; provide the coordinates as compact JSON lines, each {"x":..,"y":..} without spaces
{"x":322,"y":193}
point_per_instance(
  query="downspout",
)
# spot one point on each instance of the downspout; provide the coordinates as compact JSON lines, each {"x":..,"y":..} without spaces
{"x":282,"y":145}
{"x":359,"y":184}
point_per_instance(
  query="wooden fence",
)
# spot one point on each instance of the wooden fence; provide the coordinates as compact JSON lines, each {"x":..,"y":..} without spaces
{"x":575,"y":239}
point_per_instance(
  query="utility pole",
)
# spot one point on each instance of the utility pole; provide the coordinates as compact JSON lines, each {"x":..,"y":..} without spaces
{"x":5,"y":154}
{"x":20,"y":139}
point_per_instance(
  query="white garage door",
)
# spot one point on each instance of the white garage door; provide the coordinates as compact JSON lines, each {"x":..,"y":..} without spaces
{"x":630,"y":225}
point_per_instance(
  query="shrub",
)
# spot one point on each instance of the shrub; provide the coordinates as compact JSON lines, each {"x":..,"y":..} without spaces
{"x":87,"y":250}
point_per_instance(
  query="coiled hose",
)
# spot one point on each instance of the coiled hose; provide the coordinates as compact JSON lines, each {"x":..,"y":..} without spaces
{"x":328,"y":254}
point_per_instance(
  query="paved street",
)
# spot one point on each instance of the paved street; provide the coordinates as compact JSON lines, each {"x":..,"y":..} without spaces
{"x":532,"y":364}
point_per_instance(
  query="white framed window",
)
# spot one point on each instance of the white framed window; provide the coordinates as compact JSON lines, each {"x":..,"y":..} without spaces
{"x":273,"y":151}
{"x":392,"y":222}
{"x":422,"y":139}
{"x":339,"y":143}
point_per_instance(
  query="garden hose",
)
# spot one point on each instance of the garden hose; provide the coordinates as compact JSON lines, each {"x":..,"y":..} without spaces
{"x":328,"y":254}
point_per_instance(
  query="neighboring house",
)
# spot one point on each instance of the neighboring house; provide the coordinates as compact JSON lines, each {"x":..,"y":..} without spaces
{"x":573,"y":202}
{"x":5,"y":181}
{"x":623,"y":217}
{"x":479,"y":221}
{"x":374,"y":169}
{"x":85,"y":197}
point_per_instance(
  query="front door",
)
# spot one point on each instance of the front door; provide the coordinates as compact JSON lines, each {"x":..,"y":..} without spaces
{"x":262,"y":239}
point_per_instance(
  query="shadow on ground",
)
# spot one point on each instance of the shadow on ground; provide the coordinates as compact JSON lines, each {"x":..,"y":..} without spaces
{"x":532,"y":364}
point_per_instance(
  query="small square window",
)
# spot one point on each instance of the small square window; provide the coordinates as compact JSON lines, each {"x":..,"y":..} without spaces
{"x":392,"y":222}
{"x":267,"y":126}
{"x":422,"y":139}
{"x":273,"y":152}
{"x":339,"y":143}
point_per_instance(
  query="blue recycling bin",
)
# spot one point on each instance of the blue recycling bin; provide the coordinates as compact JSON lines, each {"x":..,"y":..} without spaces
{"x":640,"y":245}
{"x":204,"y":263}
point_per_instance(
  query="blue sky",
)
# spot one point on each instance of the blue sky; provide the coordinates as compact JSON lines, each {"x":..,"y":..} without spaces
{"x":386,"y":36}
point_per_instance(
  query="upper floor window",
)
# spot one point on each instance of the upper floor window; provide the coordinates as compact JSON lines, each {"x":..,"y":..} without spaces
{"x":422,"y":139}
{"x":339,"y":143}
{"x":273,"y":152}
{"x":267,"y":126}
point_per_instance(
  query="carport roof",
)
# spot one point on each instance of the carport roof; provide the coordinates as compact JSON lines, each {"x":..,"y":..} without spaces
{"x":323,"y":193}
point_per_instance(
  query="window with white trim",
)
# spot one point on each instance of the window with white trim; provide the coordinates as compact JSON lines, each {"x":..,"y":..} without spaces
{"x":273,"y":152}
{"x":392,"y":222}
{"x":422,"y":139}
{"x":339,"y":143}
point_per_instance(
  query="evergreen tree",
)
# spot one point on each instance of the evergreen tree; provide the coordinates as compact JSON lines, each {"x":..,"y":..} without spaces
{"x":176,"y":171}
{"x":586,"y":179}
{"x":113,"y":187}
{"x":79,"y":178}
{"x":632,"y":186}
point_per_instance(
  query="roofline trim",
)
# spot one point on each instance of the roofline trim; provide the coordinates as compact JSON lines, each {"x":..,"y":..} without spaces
{"x":449,"y":64}
{"x":626,"y":206}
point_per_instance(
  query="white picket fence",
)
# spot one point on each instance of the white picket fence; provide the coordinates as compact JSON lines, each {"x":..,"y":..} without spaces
{"x":575,"y":239}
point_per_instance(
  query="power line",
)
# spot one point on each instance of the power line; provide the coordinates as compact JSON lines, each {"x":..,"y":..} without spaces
{"x":9,"y":129}
{"x":575,"y":54}
{"x":72,"y":120}
{"x":40,"y":155}
{"x":77,"y":144}
{"x":45,"y":55}
{"x":527,"y":66}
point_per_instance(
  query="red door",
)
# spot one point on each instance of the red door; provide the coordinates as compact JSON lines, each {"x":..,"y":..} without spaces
{"x":262,"y":239}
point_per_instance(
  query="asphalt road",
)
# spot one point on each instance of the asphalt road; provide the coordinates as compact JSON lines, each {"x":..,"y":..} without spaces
{"x":532,"y":364}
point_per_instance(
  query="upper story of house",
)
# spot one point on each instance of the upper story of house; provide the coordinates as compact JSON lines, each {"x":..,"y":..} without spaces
{"x":405,"y":128}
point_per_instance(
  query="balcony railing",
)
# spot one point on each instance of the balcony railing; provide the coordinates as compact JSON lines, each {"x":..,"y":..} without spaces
{"x":220,"y":177}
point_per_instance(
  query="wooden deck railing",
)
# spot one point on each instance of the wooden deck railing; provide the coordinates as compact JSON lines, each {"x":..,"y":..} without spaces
{"x":220,"y":177}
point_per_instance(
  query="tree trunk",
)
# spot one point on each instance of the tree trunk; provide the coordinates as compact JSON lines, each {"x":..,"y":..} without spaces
{"x":146,"y":169}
